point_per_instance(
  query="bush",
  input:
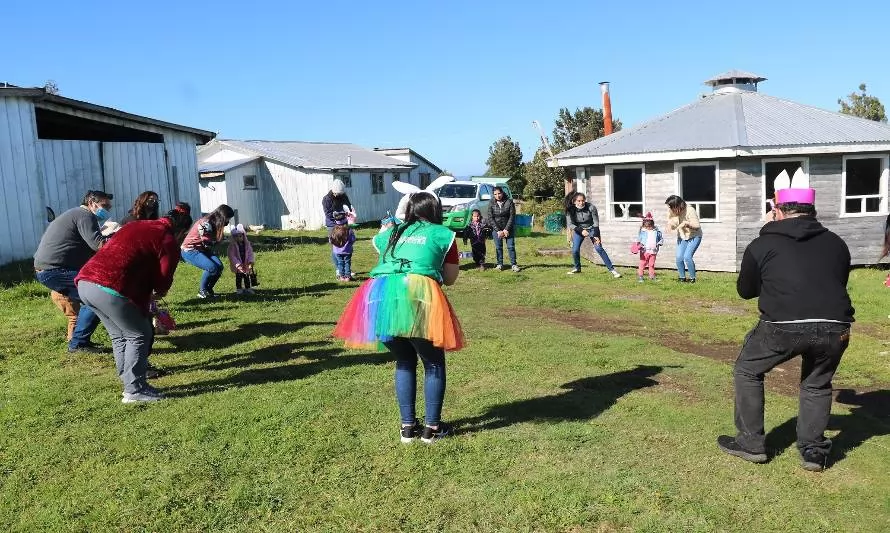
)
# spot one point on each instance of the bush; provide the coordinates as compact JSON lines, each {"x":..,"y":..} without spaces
{"x":540,"y":208}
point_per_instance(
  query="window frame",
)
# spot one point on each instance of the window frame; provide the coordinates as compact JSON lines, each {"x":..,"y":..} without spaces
{"x":375,"y":179}
{"x":610,"y":203}
{"x":678,"y":168}
{"x":397,"y":176}
{"x":882,"y":186}
{"x":345,"y":177}
{"x":805,"y":166}
{"x":245,"y":186}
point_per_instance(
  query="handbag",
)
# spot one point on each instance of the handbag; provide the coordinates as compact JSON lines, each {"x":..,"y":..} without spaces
{"x":635,"y":248}
{"x":162,"y":315}
{"x":253,"y":279}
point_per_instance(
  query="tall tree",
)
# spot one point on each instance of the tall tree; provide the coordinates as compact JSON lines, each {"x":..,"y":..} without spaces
{"x":863,"y":105}
{"x":542,"y":180}
{"x":505,"y":159}
{"x":582,"y":126}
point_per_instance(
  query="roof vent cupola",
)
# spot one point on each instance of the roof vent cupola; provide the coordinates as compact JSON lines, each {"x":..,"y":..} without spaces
{"x":735,"y":81}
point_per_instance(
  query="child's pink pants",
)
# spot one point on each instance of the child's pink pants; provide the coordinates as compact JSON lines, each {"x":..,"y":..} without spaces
{"x":647,"y":260}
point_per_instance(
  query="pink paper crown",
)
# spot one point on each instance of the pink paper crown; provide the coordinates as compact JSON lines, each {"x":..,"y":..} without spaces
{"x":796,"y":189}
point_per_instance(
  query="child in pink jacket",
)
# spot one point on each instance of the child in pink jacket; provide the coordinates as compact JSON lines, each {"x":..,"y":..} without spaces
{"x":241,"y":260}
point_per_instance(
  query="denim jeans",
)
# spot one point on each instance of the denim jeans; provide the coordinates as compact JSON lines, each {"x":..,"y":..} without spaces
{"x":821,"y":345}
{"x":685,"y":251}
{"x":209,"y":263}
{"x":577,"y":240}
{"x":499,"y":249}
{"x":344,"y":265}
{"x":61,"y":280}
{"x":406,"y":351}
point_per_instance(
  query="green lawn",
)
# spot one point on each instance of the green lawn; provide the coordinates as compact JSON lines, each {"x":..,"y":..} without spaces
{"x":584,"y":404}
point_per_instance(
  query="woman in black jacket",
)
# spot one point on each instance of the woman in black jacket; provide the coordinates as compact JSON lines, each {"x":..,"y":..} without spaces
{"x":501,"y":214}
{"x":586,"y":221}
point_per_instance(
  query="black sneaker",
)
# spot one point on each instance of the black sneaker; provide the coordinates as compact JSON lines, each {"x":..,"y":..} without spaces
{"x":431,"y":435}
{"x":729,"y":445}
{"x":407,"y":434}
{"x":813,"y":460}
{"x":690,"y":280}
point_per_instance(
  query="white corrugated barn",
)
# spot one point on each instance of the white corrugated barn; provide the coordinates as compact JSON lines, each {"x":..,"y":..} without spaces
{"x":280,"y":184}
{"x":53,"y":149}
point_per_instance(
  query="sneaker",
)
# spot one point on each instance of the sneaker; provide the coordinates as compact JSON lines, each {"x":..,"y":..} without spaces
{"x":85,"y":348}
{"x":574,"y":271}
{"x":813,"y":460}
{"x":205,"y":294}
{"x":515,"y":268}
{"x":639,"y":279}
{"x":407,"y":434}
{"x":249,"y":291}
{"x":681,"y":280}
{"x":653,"y":278}
{"x":729,"y":445}
{"x":499,"y":267}
{"x":615,"y":273}
{"x":690,"y":280}
{"x":145,"y":395}
{"x":239,"y":291}
{"x":431,"y":435}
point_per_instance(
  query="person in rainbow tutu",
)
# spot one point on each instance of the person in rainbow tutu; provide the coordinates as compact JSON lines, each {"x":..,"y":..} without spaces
{"x":402,"y":306}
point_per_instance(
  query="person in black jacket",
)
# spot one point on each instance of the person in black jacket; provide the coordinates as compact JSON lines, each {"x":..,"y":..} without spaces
{"x":798,"y":270}
{"x":584,"y":220}
{"x":501,"y":213}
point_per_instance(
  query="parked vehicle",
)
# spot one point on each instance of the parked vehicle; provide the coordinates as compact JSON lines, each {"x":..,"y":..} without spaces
{"x":459,"y":198}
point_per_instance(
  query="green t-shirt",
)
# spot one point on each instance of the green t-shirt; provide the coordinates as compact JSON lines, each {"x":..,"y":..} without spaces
{"x":421,"y":250}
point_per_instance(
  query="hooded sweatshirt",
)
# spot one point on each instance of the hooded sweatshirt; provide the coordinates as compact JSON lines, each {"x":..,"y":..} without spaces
{"x":799,"y":271}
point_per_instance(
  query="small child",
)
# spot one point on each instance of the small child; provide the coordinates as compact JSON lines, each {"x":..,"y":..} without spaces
{"x":477,"y":232}
{"x":650,"y":240}
{"x":342,"y":239}
{"x":241,"y":260}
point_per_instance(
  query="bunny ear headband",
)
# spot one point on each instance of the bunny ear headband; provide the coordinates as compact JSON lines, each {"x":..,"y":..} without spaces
{"x":408,"y":189}
{"x":797,"y":189}
{"x":237,"y":229}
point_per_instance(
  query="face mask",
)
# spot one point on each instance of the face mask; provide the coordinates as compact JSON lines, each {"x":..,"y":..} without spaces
{"x":102,"y":214}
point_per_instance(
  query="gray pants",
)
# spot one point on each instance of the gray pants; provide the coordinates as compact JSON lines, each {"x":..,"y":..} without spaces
{"x":130,"y":330}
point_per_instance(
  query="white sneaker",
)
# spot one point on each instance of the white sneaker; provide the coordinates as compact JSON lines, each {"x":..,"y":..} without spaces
{"x":515,"y":268}
{"x":499,"y":267}
{"x":615,"y":273}
{"x":574,"y":271}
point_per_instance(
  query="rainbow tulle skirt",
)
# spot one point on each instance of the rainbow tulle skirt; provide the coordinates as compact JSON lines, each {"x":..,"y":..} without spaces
{"x":399,"y":305}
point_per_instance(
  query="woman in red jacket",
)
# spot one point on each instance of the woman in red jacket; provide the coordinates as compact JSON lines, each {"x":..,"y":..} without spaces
{"x":118,"y":283}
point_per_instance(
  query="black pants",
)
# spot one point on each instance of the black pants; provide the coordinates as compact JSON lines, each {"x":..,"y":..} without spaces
{"x":821,"y":345}
{"x":478,"y":249}
{"x":242,"y":279}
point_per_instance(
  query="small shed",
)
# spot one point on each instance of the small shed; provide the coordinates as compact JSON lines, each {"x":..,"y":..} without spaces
{"x":721,"y":153}
{"x":280,"y":184}
{"x":53,"y":149}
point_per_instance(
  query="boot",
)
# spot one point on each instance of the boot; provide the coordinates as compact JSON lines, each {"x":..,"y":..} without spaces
{"x":69,"y":308}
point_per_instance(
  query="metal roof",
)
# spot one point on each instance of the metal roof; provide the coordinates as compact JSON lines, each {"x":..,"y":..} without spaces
{"x":408,"y":152}
{"x":735,"y":120}
{"x":317,"y":155}
{"x":223,"y":166}
{"x":734,"y":75}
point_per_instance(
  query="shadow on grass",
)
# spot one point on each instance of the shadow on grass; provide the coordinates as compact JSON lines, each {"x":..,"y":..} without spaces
{"x":216,"y":340}
{"x":185,"y":326}
{"x":279,"y":353}
{"x":869,"y":417}
{"x":584,"y":399}
{"x":321,"y":361}
{"x":227,"y":299}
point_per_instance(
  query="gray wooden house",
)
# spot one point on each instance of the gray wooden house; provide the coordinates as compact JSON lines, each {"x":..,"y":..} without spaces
{"x":721,"y":153}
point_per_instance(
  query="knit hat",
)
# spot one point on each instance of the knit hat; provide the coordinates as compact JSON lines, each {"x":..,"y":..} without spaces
{"x":338,"y":187}
{"x":796,"y":190}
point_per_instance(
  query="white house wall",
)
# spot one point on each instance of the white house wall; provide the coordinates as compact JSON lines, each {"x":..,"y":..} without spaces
{"x":68,"y":170}
{"x":249,"y":203}
{"x":213,"y":193}
{"x":22,"y":207}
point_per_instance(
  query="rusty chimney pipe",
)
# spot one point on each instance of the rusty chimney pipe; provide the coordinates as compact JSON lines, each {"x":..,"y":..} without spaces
{"x":607,"y":108}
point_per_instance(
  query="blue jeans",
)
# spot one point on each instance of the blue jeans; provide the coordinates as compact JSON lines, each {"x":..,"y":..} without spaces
{"x":685,"y":251}
{"x":209,"y":263}
{"x":577,"y":240}
{"x":406,"y":351}
{"x":499,"y":249}
{"x":61,"y":280}
{"x":343,"y":264}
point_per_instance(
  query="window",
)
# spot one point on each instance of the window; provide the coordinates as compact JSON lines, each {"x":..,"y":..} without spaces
{"x":376,"y":183}
{"x":697,"y":185}
{"x":774,"y":167}
{"x":345,"y":178}
{"x":396,"y":176}
{"x":425,"y":180}
{"x":625,"y":192}
{"x":249,"y":182}
{"x":453,"y":190}
{"x":864,"y":185}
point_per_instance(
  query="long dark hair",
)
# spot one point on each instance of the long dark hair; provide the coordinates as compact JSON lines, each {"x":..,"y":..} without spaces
{"x":219,"y":218}
{"x":340,"y":235}
{"x":143,"y":208}
{"x":422,"y":206}
{"x":675,"y":204}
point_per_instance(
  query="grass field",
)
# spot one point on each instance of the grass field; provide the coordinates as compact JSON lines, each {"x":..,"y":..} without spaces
{"x":583,"y":403}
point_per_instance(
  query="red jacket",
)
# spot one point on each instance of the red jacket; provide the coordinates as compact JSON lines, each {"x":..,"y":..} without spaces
{"x":140,"y":259}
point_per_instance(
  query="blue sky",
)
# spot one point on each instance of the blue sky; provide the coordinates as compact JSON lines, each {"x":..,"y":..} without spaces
{"x":445,"y":78}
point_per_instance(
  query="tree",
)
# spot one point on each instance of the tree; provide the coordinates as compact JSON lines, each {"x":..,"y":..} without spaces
{"x":542,"y":180}
{"x":582,"y":126}
{"x":51,"y":87}
{"x":505,"y":159}
{"x":863,"y":105}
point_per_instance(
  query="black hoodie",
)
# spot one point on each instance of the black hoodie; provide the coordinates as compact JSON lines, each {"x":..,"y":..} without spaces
{"x":799,"y":270}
